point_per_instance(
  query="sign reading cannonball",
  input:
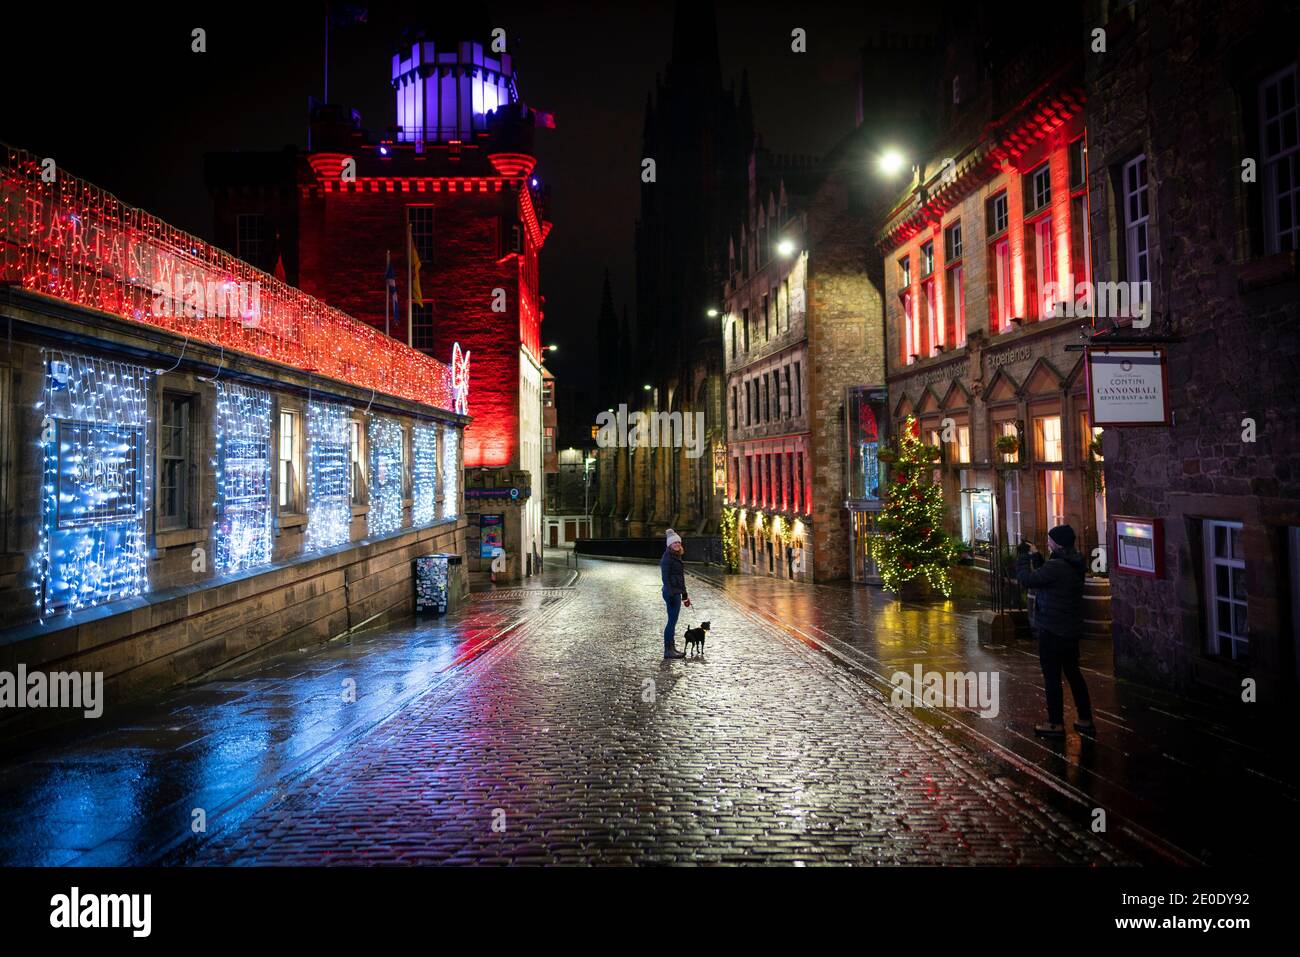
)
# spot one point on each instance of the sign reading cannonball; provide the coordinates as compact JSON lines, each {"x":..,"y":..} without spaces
{"x":1128,"y":387}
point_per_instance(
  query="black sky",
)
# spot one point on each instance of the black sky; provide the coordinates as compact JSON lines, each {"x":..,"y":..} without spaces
{"x":116,"y":96}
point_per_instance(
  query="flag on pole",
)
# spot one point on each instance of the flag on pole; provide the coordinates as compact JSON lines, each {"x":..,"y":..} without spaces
{"x":390,"y":278}
{"x":417,"y":294}
{"x":279,"y":260}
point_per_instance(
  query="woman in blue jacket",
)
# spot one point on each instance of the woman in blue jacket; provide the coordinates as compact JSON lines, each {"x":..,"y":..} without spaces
{"x":673,"y":575}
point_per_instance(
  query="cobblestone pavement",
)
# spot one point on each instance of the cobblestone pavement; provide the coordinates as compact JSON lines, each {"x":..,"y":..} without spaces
{"x":122,"y":789}
{"x":1167,"y":765}
{"x":571,"y":741}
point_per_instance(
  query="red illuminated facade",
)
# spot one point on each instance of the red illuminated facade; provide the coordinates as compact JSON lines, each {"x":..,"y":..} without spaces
{"x":451,"y":197}
{"x":466,"y":197}
{"x":987,"y":266}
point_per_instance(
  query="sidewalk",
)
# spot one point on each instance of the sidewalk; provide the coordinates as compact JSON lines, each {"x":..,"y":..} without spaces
{"x":558,"y":571}
{"x":1214,"y":779}
{"x":123,"y":789}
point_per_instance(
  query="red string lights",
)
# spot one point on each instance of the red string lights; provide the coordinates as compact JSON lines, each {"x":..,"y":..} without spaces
{"x":71,"y":240}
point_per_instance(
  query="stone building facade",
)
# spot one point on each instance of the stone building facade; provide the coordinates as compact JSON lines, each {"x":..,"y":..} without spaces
{"x":181,"y":488}
{"x":803,"y":324}
{"x":1193,"y":158}
{"x":988,"y":243}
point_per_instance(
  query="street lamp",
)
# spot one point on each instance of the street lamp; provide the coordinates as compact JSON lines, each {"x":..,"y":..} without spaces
{"x":785,"y":248}
{"x":712,"y":313}
{"x":891,"y":162}
{"x":552,"y":348}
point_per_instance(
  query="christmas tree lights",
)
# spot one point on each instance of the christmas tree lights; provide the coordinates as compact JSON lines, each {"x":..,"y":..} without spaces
{"x":450,"y":472}
{"x":329,"y":473}
{"x":913,"y":543}
{"x":424,"y":475}
{"x":92,"y":544}
{"x":241,"y":532}
{"x":384,"y":439}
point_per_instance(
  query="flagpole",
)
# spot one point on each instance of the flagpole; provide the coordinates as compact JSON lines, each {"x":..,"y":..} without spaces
{"x":388,"y":293}
{"x":410,"y":307}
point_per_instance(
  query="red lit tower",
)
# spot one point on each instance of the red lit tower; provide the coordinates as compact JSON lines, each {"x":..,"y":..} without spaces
{"x":451,"y":197}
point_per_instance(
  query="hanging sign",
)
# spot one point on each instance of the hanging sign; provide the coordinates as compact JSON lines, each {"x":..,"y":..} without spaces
{"x":1128,"y":387}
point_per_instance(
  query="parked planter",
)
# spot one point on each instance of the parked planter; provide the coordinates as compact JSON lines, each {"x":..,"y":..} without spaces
{"x":915,"y":589}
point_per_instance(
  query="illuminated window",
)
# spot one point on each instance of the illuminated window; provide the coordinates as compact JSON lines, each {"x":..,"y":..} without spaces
{"x":1054,"y":497}
{"x":1002,"y":290}
{"x":963,"y":443}
{"x":1080,"y":247}
{"x":1047,"y":438}
{"x":1011,"y":502}
{"x":1136,"y":214}
{"x":290,"y":462}
{"x":357,"y":461}
{"x":911,"y":334}
{"x":1281,"y":167}
{"x":998,"y":213}
{"x":955,"y":302}
{"x":1088,"y":434}
{"x":933,"y":327}
{"x":1008,"y":428}
{"x":952,"y":242}
{"x":905,"y":272}
{"x":1045,"y":260}
{"x":1225,"y":578}
{"x":1039,"y":192}
{"x":174,"y":461}
{"x":927,"y":258}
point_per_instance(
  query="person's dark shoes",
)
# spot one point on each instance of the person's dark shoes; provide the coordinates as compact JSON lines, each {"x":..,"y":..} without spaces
{"x":1049,"y":730}
{"x":674,"y":653}
{"x":1085,"y":727}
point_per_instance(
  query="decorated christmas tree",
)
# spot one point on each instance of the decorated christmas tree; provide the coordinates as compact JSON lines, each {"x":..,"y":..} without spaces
{"x":913,"y":543}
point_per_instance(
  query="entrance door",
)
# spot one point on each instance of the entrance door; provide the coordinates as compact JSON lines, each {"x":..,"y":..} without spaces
{"x":570,"y":531}
{"x":555,"y":536}
{"x":864,"y":528}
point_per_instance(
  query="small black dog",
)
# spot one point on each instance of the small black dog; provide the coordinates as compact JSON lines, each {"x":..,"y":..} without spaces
{"x":695,"y":636}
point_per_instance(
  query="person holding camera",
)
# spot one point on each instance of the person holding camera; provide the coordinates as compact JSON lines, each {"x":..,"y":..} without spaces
{"x":1058,"y":623}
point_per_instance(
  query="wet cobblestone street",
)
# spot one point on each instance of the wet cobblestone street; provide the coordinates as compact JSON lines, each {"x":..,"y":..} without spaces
{"x":573,"y":742}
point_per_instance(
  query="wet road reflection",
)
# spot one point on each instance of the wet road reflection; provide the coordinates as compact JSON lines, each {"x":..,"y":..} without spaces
{"x":1159,"y":759}
{"x":122,"y":789}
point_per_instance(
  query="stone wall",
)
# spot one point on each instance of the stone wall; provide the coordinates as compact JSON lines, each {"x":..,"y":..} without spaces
{"x":1180,"y":84}
{"x":179,"y":634}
